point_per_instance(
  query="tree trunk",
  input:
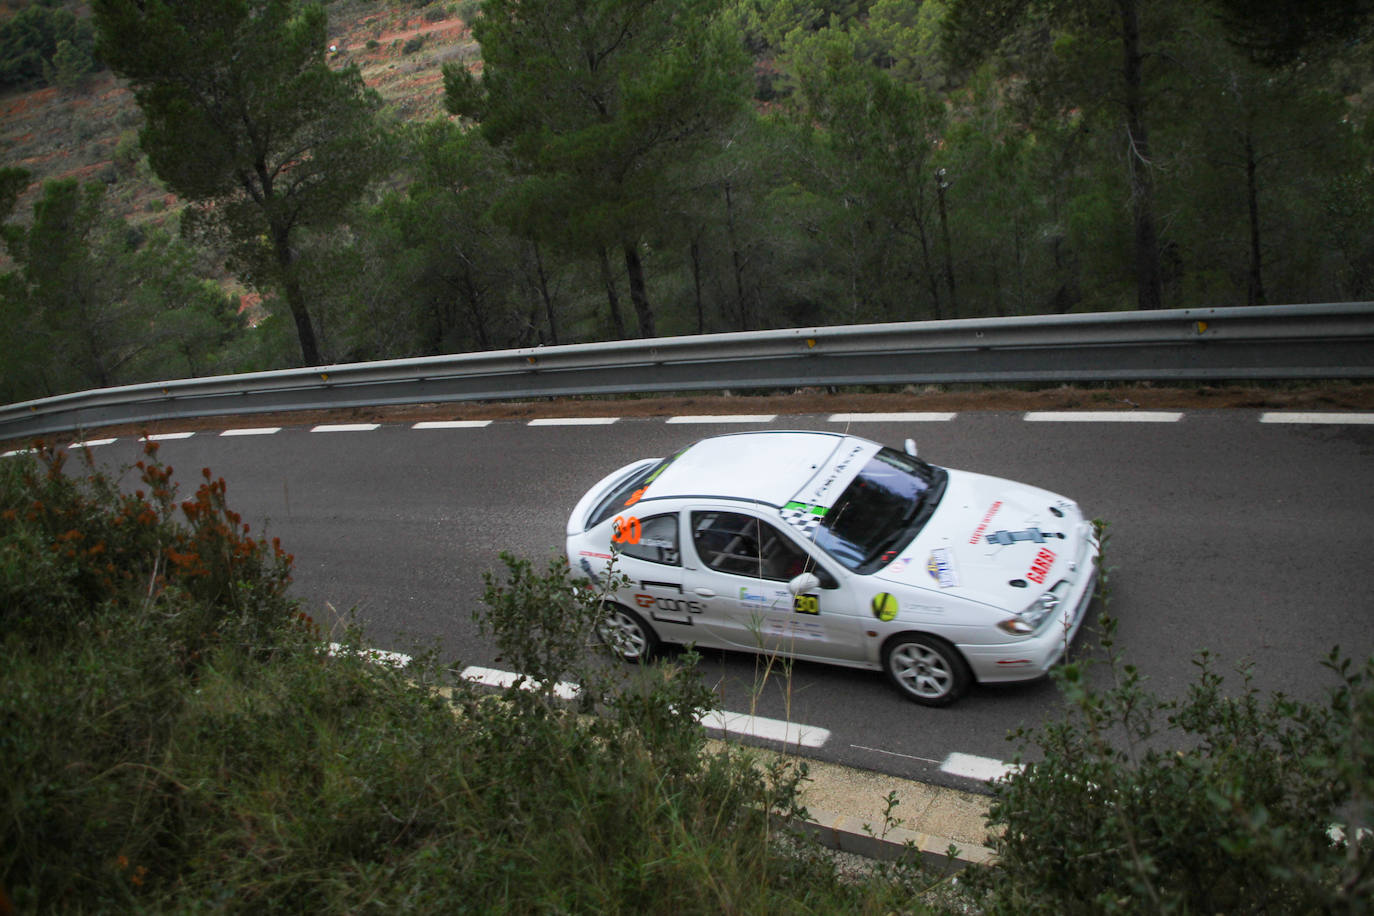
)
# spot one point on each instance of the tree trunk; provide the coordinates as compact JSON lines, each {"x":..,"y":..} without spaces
{"x":544,"y":294}
{"x":1149,"y":280}
{"x":295,"y":298}
{"x":1255,"y":293}
{"x":612,"y":298}
{"x":736,"y":261}
{"x":696,"y":285}
{"x":940,"y":186}
{"x":639,"y":294}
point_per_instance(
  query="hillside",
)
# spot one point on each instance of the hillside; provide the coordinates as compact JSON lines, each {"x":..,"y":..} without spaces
{"x":91,"y":132}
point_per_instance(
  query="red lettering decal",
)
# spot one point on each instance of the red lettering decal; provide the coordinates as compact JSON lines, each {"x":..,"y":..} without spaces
{"x":1040,"y":566}
{"x":983,"y":525}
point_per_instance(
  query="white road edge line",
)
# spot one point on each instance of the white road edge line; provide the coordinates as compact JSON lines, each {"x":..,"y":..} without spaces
{"x":252,"y":431}
{"x":345,"y":427}
{"x":1103,"y":416}
{"x":491,"y":677}
{"x":1285,"y":416}
{"x":574,"y":421}
{"x":736,"y":723}
{"x":972,"y":766}
{"x":724,"y":418}
{"x":163,"y":437}
{"x":91,"y":443}
{"x":379,"y":656}
{"x":760,"y":727}
{"x":913,"y":417}
{"x":19,"y":451}
{"x":451,"y":424}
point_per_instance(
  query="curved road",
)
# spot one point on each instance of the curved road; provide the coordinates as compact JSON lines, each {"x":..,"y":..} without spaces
{"x":1249,"y":538}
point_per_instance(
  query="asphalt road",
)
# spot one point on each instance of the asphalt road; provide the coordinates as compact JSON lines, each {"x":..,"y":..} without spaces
{"x":1250,"y":539}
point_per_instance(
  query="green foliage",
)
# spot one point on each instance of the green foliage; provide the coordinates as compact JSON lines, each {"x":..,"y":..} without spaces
{"x":71,"y":65}
{"x":96,"y":303}
{"x":1221,"y":801}
{"x":44,"y":43}
{"x":598,"y":106}
{"x":282,"y":145}
{"x":1282,"y":32}
{"x":902,"y":160}
{"x":880,"y":136}
{"x":175,"y":738}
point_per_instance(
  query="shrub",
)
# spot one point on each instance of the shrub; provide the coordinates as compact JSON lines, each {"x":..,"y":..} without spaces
{"x":1214,"y":803}
{"x":175,"y":739}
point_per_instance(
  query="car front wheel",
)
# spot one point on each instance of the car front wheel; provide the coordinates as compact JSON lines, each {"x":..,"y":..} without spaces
{"x":626,"y":634}
{"x":926,"y":669}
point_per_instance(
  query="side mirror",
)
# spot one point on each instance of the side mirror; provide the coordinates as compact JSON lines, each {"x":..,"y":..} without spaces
{"x":911,"y":447}
{"x":806,"y":582}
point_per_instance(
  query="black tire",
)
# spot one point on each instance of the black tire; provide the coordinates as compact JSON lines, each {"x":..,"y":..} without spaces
{"x":926,"y":669}
{"x":627,"y":635}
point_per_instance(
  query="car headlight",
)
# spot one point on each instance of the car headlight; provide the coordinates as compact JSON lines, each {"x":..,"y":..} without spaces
{"x":1034,"y":617}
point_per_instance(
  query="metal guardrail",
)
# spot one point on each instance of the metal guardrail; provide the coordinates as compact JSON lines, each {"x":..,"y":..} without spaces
{"x":1334,"y":340}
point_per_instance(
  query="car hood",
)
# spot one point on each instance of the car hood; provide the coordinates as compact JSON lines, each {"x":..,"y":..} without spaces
{"x":995,"y":541}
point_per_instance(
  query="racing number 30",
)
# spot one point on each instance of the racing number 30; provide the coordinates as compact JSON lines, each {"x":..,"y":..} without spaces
{"x":806,"y":604}
{"x":625,"y":530}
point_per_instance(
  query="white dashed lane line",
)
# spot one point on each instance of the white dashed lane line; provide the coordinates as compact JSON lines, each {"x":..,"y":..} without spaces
{"x":1103,"y":416}
{"x":770,"y":729}
{"x":1281,"y":416}
{"x":452,"y":424}
{"x":919,"y":417}
{"x":725,"y":418}
{"x":1041,"y":416}
{"x":971,"y":766}
{"x":253,"y":431}
{"x":491,"y":677}
{"x":732,"y":722}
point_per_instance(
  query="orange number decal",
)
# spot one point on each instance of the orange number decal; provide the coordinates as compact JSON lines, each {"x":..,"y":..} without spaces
{"x":625,"y":530}
{"x":634,"y":497}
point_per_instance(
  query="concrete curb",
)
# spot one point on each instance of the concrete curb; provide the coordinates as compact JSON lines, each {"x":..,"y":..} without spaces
{"x":846,"y":833}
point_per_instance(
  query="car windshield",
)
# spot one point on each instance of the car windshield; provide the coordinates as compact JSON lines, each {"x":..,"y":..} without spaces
{"x":881,"y":511}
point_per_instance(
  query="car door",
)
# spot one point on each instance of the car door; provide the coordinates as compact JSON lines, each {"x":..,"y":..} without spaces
{"x":650,"y":558}
{"x":739,"y":565}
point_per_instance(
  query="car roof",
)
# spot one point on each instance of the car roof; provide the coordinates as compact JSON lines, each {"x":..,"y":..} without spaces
{"x":768,"y":467}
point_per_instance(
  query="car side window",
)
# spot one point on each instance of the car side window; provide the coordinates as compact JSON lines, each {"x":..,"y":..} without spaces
{"x":731,"y":542}
{"x":657,"y":541}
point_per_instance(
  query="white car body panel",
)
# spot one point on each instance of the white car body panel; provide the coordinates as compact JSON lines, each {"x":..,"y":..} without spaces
{"x":991,"y":548}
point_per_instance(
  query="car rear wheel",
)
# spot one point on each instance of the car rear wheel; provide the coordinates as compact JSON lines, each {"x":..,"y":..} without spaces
{"x":926,"y":669}
{"x":626,"y":634}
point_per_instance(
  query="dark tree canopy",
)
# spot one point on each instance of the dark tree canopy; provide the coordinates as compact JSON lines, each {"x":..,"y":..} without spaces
{"x":598,"y":103}
{"x":1279,"y":32}
{"x":246,"y":118}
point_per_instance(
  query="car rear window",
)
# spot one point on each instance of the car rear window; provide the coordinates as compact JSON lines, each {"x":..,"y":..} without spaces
{"x":624,"y":493}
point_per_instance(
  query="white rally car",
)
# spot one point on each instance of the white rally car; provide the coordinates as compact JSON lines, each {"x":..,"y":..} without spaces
{"x":832,"y":548}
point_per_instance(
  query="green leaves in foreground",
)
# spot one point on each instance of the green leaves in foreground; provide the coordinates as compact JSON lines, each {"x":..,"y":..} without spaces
{"x":1220,"y":802}
{"x":175,"y":738}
